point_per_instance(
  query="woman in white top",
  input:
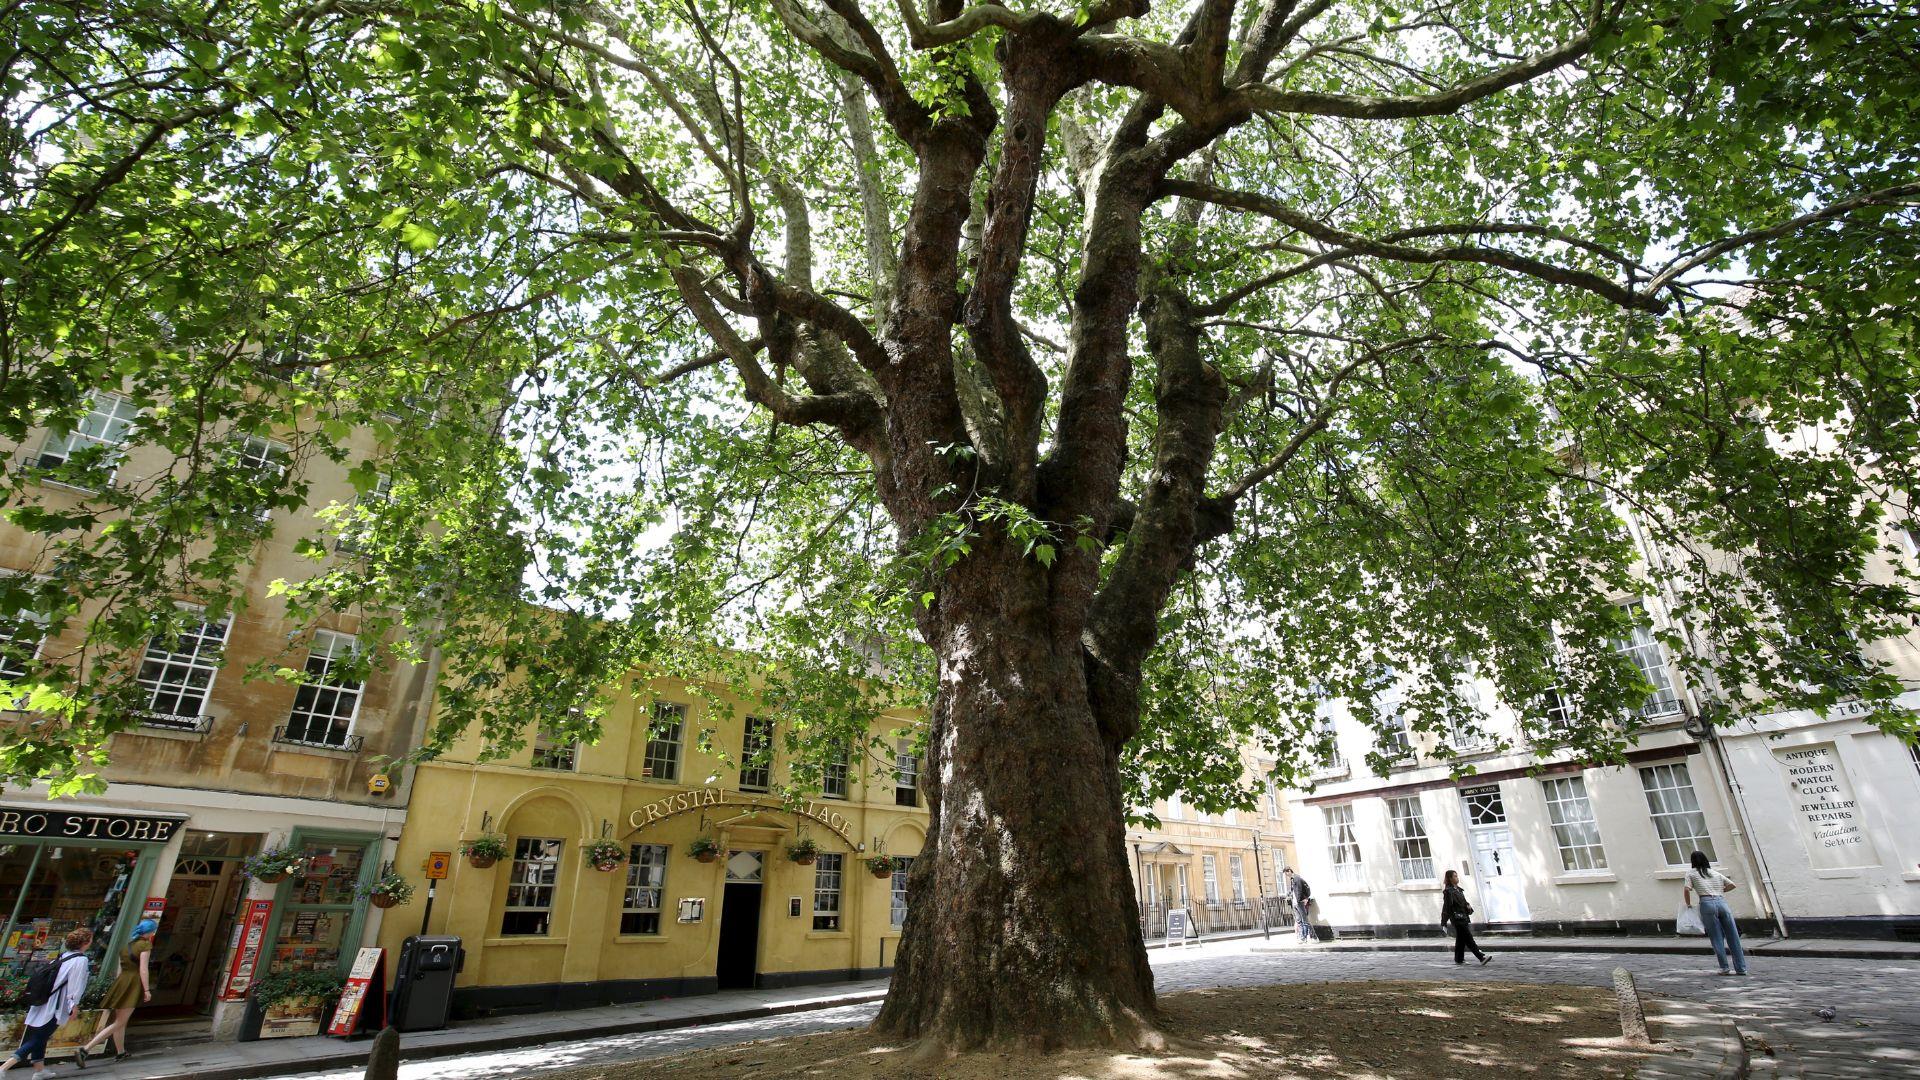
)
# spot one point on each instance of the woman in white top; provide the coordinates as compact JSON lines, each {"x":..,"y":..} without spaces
{"x":1710,"y":886}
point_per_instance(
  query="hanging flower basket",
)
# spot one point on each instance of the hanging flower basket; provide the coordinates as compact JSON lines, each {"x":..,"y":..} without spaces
{"x":803,"y":851}
{"x":704,"y":848}
{"x":275,"y":865}
{"x":604,"y":855}
{"x":387,"y":890}
{"x":484,"y":850}
{"x":880,"y":866}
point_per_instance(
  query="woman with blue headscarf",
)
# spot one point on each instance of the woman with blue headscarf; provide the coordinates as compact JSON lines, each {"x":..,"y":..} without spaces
{"x":131,"y":988}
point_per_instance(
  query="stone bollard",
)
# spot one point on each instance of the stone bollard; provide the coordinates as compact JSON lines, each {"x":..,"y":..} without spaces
{"x":384,"y":1062}
{"x":1633,"y":1017}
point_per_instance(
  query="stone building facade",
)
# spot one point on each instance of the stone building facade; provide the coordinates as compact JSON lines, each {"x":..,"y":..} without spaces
{"x":221,"y":767}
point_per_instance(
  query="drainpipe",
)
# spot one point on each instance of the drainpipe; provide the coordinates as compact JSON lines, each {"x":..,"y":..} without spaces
{"x":1701,"y":717}
{"x":1749,"y":843}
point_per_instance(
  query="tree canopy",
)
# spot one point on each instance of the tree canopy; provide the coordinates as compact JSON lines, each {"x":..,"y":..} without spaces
{"x":1298,"y":340}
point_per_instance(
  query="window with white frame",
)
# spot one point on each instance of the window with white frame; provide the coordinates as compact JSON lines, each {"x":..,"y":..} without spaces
{"x":756,"y":754}
{"x":326,"y":704}
{"x":106,"y":424}
{"x":833,"y":775}
{"x":1575,"y":832}
{"x":1174,"y":807}
{"x":646,"y":882}
{"x":1411,"y":846}
{"x":552,"y":751}
{"x":1210,"y":880}
{"x":357,"y":525}
{"x":1153,"y":885}
{"x":177,"y":672}
{"x":1395,"y":740}
{"x":897,"y":916}
{"x":22,"y":632}
{"x":1273,"y":798}
{"x":827,"y":876}
{"x":265,"y":462}
{"x":1180,"y":883}
{"x":906,"y":784}
{"x":1343,"y":845}
{"x":1643,"y":649}
{"x":1237,"y":877}
{"x":662,"y":760}
{"x":1676,"y":812}
{"x":530,"y":885}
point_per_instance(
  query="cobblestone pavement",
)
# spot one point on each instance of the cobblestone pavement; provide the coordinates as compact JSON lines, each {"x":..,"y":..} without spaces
{"x":1875,"y":1033}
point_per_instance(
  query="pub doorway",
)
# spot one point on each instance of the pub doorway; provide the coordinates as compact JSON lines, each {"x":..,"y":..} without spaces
{"x":738,"y":967}
{"x":203,"y":897}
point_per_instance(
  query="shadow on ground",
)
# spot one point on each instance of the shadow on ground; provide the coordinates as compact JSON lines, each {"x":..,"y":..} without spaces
{"x":1373,"y":1030}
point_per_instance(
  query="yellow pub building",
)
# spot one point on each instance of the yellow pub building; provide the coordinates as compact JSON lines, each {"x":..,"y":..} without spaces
{"x":546,"y":928}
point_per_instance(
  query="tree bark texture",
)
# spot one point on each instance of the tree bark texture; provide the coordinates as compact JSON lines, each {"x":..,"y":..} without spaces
{"x":1023,"y":927}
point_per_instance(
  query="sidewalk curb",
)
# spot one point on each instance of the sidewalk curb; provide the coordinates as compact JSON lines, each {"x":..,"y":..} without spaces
{"x":1707,"y":1044}
{"x":1500,"y":946}
{"x":357,"y":1055}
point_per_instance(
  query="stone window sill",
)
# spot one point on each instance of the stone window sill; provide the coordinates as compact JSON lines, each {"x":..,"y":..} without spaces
{"x":1420,"y":886}
{"x":1675,"y":874}
{"x":516,"y":942}
{"x":1585,"y":878}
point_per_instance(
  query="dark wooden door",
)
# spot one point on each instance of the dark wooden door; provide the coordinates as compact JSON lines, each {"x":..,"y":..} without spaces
{"x":739,"y":936}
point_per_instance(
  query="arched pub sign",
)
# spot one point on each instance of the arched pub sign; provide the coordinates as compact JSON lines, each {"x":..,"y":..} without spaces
{"x":692,"y":799}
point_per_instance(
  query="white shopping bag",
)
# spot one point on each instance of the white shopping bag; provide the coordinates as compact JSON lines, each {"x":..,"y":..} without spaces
{"x":1687,"y":921}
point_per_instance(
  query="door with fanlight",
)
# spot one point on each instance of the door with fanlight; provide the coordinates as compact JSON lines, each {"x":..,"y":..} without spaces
{"x":202,"y":894}
{"x":1500,"y":888}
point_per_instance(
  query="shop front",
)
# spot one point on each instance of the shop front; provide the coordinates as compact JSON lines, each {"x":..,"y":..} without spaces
{"x":63,"y":868}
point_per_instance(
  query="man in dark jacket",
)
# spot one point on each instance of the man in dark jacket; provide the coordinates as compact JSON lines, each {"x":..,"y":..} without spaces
{"x":1457,"y":913}
{"x":1302,"y":900}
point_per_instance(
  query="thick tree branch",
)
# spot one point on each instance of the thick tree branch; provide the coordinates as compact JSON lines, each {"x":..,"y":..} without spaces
{"x":1264,"y":97}
{"x":1623,"y":295}
{"x":1899,"y":194}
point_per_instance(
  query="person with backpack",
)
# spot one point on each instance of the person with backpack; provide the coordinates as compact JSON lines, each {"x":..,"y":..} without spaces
{"x":53,"y":997}
{"x":1302,"y":894}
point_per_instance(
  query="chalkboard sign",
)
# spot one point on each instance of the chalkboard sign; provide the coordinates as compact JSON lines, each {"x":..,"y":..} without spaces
{"x":1180,"y":926}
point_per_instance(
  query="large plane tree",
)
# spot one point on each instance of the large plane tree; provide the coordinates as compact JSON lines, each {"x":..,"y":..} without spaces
{"x":1125,"y":379}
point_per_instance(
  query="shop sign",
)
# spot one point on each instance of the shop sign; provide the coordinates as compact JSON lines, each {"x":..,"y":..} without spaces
{"x":84,"y":825}
{"x":701,"y":798}
{"x":1180,"y":926}
{"x":1829,"y":814}
{"x":155,"y":907}
{"x":252,"y":935}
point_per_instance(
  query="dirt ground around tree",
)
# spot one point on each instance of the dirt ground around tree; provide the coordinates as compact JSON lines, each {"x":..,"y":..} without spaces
{"x":1352,"y":1031}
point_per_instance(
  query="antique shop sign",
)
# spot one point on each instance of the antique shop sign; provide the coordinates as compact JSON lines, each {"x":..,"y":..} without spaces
{"x":692,"y":799}
{"x":1829,"y":815}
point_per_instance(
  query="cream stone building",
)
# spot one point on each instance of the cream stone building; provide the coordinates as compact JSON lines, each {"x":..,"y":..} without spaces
{"x":1223,"y":869}
{"x":220,"y":767}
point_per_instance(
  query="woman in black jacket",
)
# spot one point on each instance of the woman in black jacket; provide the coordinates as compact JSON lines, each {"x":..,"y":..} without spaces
{"x":1457,"y":913}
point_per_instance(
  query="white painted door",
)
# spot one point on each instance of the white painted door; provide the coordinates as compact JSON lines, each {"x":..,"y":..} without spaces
{"x":1503,"y":896}
{"x":1502,"y":891}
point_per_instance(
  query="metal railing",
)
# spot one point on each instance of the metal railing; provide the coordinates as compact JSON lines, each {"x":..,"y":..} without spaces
{"x":348,"y":743}
{"x":1331,"y":768}
{"x":196,"y":725}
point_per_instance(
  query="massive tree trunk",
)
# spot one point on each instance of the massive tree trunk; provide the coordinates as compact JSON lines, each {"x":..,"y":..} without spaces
{"x":1023,"y":925}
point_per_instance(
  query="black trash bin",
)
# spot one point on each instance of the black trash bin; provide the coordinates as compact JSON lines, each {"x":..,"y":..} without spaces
{"x":423,"y":984}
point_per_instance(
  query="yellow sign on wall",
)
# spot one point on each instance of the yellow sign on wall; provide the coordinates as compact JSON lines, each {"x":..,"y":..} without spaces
{"x":437,"y":863}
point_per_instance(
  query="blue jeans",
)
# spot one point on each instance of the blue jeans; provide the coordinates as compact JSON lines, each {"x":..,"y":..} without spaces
{"x":1718,"y":918}
{"x":33,"y":1047}
{"x":1303,"y":921}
